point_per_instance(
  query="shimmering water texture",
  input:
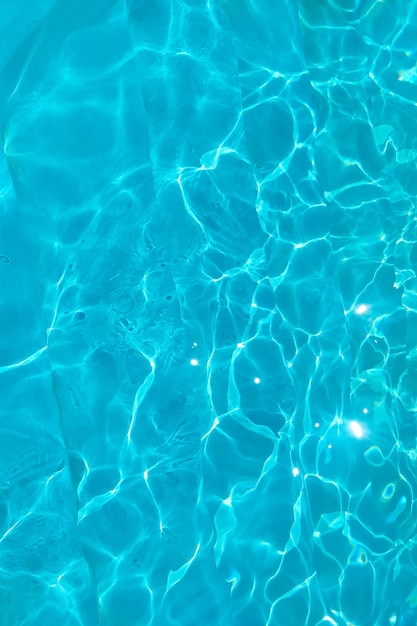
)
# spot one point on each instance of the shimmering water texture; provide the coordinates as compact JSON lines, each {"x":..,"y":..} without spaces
{"x":208,"y":351}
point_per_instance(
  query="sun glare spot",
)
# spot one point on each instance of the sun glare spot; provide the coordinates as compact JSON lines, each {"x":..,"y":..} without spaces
{"x":356,"y":429}
{"x":361,"y":309}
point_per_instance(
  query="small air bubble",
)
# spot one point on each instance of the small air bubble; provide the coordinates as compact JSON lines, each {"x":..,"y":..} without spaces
{"x":80,"y":315}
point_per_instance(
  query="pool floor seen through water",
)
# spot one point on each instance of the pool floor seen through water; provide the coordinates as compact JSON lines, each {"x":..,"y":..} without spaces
{"x":208,"y":350}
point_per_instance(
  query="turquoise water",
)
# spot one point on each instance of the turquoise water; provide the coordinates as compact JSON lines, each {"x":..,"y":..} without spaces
{"x":208,"y":345}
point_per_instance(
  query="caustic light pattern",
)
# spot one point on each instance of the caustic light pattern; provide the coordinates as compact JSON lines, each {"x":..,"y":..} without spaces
{"x":208,"y":350}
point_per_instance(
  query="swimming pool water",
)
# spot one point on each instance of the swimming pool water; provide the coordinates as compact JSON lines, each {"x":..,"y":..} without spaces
{"x":208,"y":349}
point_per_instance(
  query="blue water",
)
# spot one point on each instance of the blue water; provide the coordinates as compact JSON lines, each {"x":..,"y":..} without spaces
{"x":208,"y":313}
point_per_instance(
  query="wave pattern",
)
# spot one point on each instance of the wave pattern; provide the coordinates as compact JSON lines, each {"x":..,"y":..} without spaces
{"x":208,"y":357}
